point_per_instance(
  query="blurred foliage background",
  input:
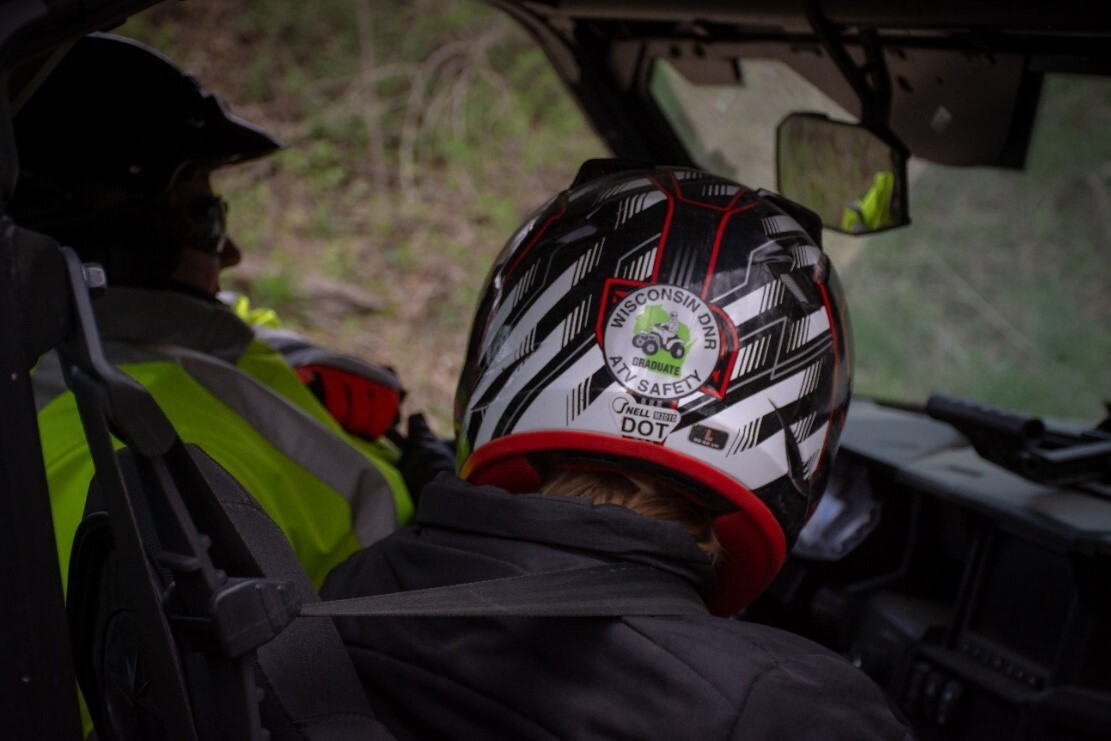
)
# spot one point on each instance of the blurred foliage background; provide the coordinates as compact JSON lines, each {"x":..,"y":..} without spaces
{"x":420,"y":135}
{"x":997,"y":291}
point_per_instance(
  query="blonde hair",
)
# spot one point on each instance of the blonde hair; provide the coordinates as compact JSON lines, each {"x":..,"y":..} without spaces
{"x":639,"y":495}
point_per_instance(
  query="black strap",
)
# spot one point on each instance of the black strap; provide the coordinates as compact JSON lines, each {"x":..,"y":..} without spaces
{"x":608,"y":590}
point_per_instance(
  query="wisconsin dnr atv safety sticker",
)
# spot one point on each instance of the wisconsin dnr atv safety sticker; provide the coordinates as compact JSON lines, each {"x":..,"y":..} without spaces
{"x":661,"y":342}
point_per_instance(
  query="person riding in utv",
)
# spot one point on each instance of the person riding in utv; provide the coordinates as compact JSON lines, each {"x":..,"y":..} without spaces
{"x":117,"y":148}
{"x":128,"y":188}
{"x":576,"y":458}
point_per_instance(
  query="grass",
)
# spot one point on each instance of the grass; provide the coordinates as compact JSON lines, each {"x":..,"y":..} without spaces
{"x":420,"y":135}
{"x":998,"y":290}
{"x":1013,"y":266}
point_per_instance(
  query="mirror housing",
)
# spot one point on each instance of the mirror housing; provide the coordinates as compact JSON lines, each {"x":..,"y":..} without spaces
{"x":853,"y":178}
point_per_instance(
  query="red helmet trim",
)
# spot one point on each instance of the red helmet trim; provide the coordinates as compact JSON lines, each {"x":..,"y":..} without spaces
{"x":754,"y":543}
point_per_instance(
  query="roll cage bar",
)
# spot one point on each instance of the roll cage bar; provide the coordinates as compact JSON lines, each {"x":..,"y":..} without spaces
{"x":37,"y":689}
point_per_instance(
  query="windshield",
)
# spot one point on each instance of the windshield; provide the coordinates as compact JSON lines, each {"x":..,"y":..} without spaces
{"x":998,"y":290}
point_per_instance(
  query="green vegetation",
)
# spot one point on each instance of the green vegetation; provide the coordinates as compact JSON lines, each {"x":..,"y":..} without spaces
{"x":998,"y":290}
{"x":420,"y":135}
{"x":1007,"y":310}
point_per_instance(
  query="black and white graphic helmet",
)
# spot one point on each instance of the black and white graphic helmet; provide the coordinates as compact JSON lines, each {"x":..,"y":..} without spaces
{"x":677,"y":324}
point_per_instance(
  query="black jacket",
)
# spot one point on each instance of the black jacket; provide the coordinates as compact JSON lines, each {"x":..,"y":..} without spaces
{"x":577,"y":678}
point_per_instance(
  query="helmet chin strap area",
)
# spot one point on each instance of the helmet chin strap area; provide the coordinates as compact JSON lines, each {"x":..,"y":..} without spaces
{"x":753,"y":540}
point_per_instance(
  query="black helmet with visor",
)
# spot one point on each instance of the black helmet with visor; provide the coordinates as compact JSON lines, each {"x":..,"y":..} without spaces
{"x":107,"y":135}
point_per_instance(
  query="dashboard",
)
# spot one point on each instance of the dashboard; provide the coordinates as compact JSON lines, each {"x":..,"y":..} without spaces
{"x":979,"y":600}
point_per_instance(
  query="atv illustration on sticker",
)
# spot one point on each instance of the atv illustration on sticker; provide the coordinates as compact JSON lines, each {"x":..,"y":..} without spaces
{"x":658,"y":330}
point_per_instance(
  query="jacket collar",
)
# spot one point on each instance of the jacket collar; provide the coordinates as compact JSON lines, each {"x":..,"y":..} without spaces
{"x":604,"y":532}
{"x":150,"y":316}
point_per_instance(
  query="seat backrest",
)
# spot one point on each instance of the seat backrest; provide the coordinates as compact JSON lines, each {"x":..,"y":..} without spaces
{"x":179,"y":586}
{"x":310,"y":684}
{"x":309,"y":689}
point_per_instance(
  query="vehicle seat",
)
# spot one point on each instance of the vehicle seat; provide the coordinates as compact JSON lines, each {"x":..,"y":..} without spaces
{"x":310,"y":689}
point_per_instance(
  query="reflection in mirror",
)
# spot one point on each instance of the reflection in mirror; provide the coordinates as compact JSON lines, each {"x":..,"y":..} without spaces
{"x":853,"y":179}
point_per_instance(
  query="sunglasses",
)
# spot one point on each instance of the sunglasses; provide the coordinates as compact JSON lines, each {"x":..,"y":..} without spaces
{"x":210,"y":215}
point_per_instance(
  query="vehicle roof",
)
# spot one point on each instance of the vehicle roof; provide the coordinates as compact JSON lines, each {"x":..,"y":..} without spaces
{"x":601,"y":48}
{"x":989,"y":55}
{"x":1071,"y":28}
{"x":792,"y":15}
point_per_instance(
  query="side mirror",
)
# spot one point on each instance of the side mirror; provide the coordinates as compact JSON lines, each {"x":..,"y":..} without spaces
{"x":853,"y":179}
